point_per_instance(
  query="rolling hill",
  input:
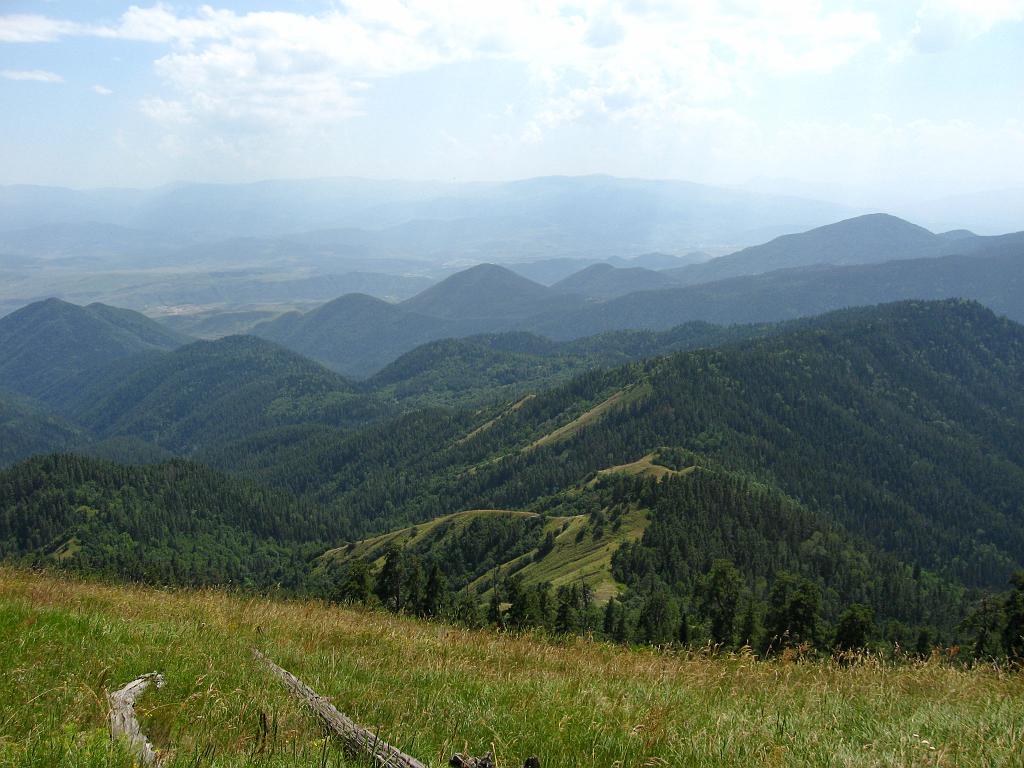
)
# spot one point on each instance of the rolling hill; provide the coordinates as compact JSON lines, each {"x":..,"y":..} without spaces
{"x":173,"y":522}
{"x":485,"y":292}
{"x":603,"y":281}
{"x":26,"y":428}
{"x":926,"y":398}
{"x":52,"y":340}
{"x":920,"y":507}
{"x":993,"y":276}
{"x":209,"y":392}
{"x":489,"y":368}
{"x":357,"y":334}
{"x":866,"y":239}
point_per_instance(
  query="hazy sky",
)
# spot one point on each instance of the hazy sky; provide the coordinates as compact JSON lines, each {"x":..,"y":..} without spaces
{"x":920,"y":98}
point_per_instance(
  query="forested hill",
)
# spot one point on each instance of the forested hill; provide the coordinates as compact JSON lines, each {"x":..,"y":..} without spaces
{"x":993,"y":276}
{"x":878,"y":452}
{"x":212,"y":391}
{"x":52,"y":340}
{"x":174,"y":523}
{"x":488,"y":368}
{"x":27,"y":429}
{"x":866,"y":239}
{"x":903,"y":423}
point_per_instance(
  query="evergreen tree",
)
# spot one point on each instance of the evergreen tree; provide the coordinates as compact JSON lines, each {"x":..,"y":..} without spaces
{"x":658,"y":623}
{"x":415,"y":585}
{"x":435,"y":595}
{"x":854,"y":628}
{"x":1013,"y":619}
{"x":391,"y":581}
{"x":793,"y":608}
{"x":984,"y":623}
{"x":923,"y":645}
{"x":354,"y":583}
{"x":466,"y":610}
{"x":621,"y":633}
{"x":610,"y":615}
{"x":684,"y":629}
{"x":750,"y":628}
{"x":720,"y":596}
{"x":495,"y":615}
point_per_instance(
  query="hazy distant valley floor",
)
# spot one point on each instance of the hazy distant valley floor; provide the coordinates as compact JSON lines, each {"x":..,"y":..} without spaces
{"x":433,"y":690}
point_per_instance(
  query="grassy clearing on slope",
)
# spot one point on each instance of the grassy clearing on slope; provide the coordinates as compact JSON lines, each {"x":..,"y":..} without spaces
{"x":578,"y":555}
{"x":432,"y":689}
{"x":375,"y":549}
{"x":566,"y":431}
{"x":646,"y":466}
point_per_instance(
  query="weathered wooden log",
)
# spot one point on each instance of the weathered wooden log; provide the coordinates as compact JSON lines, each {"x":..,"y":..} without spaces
{"x":359,"y":739}
{"x":124,"y":723}
{"x":487,"y":761}
{"x":465,"y":761}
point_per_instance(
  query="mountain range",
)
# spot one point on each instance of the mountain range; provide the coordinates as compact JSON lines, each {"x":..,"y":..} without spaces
{"x":596,"y":430}
{"x":874,"y":259}
{"x":718,"y":452}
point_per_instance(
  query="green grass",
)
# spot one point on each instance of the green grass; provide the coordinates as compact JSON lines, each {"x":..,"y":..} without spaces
{"x":433,"y":689}
{"x":375,"y":549}
{"x":577,"y":555}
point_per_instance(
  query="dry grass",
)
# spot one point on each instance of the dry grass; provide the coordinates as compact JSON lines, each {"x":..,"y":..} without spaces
{"x":433,"y":689}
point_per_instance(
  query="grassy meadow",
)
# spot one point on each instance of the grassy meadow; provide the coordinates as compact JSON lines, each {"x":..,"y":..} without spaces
{"x":433,"y":690}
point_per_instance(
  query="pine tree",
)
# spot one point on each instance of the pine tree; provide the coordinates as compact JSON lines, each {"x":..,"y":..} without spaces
{"x":435,"y":596}
{"x":658,"y":618}
{"x":391,"y":581}
{"x":1013,"y":618}
{"x":415,"y":585}
{"x":793,"y":608}
{"x":720,"y":596}
{"x":495,"y":616}
{"x":854,"y":628}
{"x":610,"y":615}
{"x":621,"y":632}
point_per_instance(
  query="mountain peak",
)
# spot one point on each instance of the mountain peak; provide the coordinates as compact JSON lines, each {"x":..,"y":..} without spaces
{"x":486,"y":290}
{"x":53,"y":338}
{"x":868,"y":239}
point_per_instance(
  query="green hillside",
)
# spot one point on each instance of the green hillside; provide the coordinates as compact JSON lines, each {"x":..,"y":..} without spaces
{"x":484,"y":369}
{"x":434,"y":689}
{"x":173,"y":523}
{"x":207,"y":393}
{"x":52,"y":340}
{"x":26,"y":429}
{"x":993,"y":276}
{"x":873,"y":455}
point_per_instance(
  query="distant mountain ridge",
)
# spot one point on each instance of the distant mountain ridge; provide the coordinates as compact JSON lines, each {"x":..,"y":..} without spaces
{"x":529,"y":216}
{"x":868,"y":239}
{"x":605,"y":281}
{"x":483,"y":292}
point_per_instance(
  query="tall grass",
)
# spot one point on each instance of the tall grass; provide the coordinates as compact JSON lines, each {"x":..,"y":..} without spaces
{"x":434,"y":689}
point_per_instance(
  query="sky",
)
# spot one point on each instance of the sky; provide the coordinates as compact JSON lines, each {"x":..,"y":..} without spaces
{"x":887,"y":100}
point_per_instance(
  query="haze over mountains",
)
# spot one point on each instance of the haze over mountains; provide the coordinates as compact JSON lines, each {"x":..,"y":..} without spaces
{"x":562,"y":396}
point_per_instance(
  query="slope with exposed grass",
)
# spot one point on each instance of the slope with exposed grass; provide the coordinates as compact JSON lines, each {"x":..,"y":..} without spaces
{"x":433,"y":690}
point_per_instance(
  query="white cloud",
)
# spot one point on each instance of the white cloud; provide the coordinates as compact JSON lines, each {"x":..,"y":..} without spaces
{"x":27,"y":28}
{"x":592,"y":58}
{"x":944,"y":24}
{"x":101,"y":90}
{"x":36,"y":75}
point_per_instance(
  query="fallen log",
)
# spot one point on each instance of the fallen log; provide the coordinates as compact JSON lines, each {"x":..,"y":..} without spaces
{"x":465,"y":761}
{"x":359,"y":739}
{"x":487,"y":761}
{"x":124,"y":723}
